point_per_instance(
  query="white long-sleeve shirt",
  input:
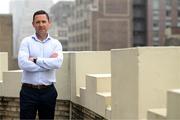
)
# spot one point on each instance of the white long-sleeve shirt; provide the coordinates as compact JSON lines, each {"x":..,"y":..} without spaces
{"x":43,"y":72}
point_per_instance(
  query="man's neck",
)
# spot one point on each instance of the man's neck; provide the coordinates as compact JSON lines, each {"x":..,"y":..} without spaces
{"x":41,"y":36}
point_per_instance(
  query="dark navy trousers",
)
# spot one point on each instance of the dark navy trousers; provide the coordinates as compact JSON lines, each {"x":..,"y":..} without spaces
{"x":41,"y":101}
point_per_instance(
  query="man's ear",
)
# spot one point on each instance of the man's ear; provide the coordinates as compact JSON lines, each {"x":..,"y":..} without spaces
{"x":32,"y":23}
{"x":50,"y":23}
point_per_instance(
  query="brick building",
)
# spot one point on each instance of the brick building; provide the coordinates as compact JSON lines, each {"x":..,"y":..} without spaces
{"x":100,"y":25}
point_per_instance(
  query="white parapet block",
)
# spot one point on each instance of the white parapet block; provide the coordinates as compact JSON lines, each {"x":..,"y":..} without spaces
{"x":108,"y":113}
{"x":103,"y":102}
{"x":1,"y":88}
{"x":140,"y":79}
{"x":3,"y":64}
{"x":87,"y":62}
{"x":157,"y":114}
{"x":173,"y":104}
{"x":12,"y":80}
{"x":62,"y":84}
{"x":83,"y":97}
{"x":100,"y":83}
{"x":96,"y":95}
{"x":12,"y":83}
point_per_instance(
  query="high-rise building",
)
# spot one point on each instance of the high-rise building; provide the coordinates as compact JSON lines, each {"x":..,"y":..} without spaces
{"x":60,"y":12}
{"x":6,"y":42}
{"x":22,"y":11}
{"x":139,"y":22}
{"x":100,"y":25}
{"x":161,"y":15}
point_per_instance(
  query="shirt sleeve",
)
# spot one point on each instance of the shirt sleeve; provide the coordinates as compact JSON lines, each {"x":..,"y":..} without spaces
{"x":52,"y":63}
{"x":23,"y":59}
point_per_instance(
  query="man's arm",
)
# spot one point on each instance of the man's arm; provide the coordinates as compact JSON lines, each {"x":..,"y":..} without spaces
{"x":24,"y":61}
{"x":54,"y":61}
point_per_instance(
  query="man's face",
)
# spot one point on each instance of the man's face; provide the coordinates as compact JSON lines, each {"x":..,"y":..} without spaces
{"x":41,"y":24}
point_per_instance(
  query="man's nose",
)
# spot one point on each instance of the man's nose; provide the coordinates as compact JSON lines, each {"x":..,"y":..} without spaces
{"x":40,"y":24}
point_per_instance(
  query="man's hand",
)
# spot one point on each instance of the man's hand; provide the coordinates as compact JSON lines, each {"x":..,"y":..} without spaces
{"x":31,"y":58}
{"x":54,"y":55}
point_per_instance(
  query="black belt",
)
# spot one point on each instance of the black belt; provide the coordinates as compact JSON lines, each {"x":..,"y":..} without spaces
{"x":36,"y":86}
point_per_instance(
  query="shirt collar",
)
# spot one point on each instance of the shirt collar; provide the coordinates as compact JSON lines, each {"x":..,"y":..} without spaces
{"x":45,"y":40}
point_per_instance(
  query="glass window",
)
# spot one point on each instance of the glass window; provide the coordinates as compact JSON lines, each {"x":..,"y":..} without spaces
{"x":155,"y":23}
{"x":155,"y":12}
{"x":168,"y":23}
{"x":155,"y":4}
{"x":155,"y":34}
{"x":178,"y":2}
{"x":168,"y":2}
{"x":168,"y":13}
{"x":178,"y":13}
{"x":178,"y":24}
{"x":155,"y":43}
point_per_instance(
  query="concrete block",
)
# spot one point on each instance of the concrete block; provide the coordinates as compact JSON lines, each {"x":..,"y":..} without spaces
{"x":63,"y":84}
{"x":96,"y":83}
{"x":157,"y":114}
{"x":1,"y":88}
{"x":103,"y":101}
{"x":87,"y":62}
{"x":108,"y":113}
{"x":140,"y":78}
{"x":173,"y":104}
{"x":83,"y":97}
{"x":12,"y":83}
{"x":3,"y":64}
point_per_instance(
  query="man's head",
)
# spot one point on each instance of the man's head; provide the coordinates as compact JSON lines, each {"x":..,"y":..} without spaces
{"x":39,"y":12}
{"x":41,"y":23}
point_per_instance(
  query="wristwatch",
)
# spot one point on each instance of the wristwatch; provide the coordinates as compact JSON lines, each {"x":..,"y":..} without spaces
{"x":35,"y":60}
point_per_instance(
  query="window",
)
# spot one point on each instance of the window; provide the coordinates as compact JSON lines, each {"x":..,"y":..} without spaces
{"x":168,"y":13}
{"x":155,"y":34}
{"x":178,"y":2}
{"x":168,"y":23}
{"x":178,"y":13}
{"x":178,"y":24}
{"x":156,"y":13}
{"x":155,"y":4}
{"x":168,"y":2}
{"x":155,"y":23}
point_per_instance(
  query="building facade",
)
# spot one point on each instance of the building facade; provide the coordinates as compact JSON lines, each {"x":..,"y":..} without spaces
{"x":100,"y":25}
{"x":161,"y":15}
{"x":60,"y":13}
{"x":139,"y":22}
{"x":6,"y":39}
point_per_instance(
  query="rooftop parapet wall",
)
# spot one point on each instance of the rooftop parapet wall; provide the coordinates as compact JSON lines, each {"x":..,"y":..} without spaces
{"x":171,"y":112}
{"x":142,"y":77}
{"x":3,"y":68}
{"x":83,"y":63}
{"x":96,"y":95}
{"x":11,"y":84}
{"x":173,"y":104}
{"x":70,"y":77}
{"x":3,"y":63}
{"x":63,"y":80}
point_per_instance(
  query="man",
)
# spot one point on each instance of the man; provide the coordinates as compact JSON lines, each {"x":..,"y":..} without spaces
{"x":39,"y":56}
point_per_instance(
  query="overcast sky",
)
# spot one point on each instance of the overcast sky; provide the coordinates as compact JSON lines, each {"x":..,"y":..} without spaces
{"x":4,"y":6}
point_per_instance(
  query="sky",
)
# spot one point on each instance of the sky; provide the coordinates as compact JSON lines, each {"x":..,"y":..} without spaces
{"x":4,"y":6}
